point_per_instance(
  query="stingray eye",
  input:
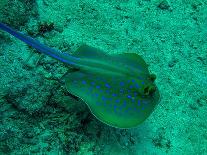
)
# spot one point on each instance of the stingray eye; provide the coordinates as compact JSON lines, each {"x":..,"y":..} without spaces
{"x":152,"y":77}
{"x":149,"y":90}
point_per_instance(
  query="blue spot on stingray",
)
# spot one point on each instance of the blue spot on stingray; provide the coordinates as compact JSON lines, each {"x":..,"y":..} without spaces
{"x":138,"y":102}
{"x":133,"y":99}
{"x":130,"y":86}
{"x":135,"y":109}
{"x":115,"y":108}
{"x":107,"y":85}
{"x":121,"y":83}
{"x":104,"y":98}
{"x":95,"y":95}
{"x":83,"y":82}
{"x":118,"y":100}
{"x":107,"y":91}
{"x":136,"y":85}
{"x":129,"y":96}
{"x":133,"y":80}
{"x":143,"y":82}
{"x":128,"y":110}
{"x":98,"y":87}
{"x":123,"y":105}
{"x":114,"y":95}
{"x":92,"y":83}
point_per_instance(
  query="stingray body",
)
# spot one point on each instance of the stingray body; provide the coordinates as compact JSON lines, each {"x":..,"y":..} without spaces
{"x":118,"y":89}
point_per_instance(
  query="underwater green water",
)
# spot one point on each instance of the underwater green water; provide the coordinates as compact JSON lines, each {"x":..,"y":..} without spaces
{"x":103,"y":100}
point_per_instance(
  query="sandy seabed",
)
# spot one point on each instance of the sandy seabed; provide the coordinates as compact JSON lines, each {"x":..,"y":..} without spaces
{"x":39,"y":116}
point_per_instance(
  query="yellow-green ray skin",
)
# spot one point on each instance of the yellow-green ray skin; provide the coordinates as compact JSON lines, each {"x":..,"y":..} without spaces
{"x":122,"y":97}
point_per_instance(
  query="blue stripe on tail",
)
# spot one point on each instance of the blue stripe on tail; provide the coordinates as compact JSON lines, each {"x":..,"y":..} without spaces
{"x":66,"y":58}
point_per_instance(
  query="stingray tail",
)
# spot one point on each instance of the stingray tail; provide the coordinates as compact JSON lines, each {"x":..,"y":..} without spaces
{"x":64,"y":57}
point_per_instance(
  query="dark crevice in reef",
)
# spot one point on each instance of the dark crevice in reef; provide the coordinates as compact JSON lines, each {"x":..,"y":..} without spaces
{"x":160,"y":140}
{"x":45,"y":27}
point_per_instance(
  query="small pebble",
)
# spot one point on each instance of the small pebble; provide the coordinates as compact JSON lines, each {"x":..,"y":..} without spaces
{"x":164,"y":5}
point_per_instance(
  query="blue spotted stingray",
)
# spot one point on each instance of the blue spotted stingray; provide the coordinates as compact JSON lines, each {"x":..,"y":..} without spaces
{"x":118,"y":88}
